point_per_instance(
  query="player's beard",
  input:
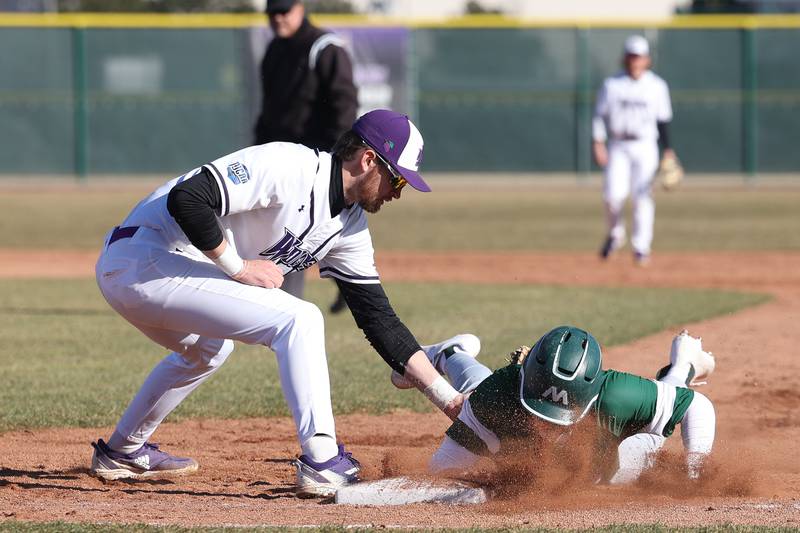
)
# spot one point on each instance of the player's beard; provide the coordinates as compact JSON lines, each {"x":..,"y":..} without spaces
{"x":370,"y":200}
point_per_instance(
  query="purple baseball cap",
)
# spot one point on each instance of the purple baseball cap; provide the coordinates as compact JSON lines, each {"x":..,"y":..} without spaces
{"x":397,"y":140}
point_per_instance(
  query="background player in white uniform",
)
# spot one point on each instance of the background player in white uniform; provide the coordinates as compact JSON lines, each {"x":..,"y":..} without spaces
{"x":541,"y":397}
{"x":199,"y":262}
{"x":631,"y":115}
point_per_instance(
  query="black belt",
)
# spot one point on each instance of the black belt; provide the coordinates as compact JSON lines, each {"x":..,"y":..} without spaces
{"x":120,"y":232}
{"x":626,"y":137}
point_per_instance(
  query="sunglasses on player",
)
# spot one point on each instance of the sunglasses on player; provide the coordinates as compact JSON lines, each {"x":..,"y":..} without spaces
{"x":395,"y":179}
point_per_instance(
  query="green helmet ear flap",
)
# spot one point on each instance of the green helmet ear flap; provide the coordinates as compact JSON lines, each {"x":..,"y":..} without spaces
{"x":561,"y":377}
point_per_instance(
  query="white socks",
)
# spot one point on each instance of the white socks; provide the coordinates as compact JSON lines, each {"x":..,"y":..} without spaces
{"x":320,"y":448}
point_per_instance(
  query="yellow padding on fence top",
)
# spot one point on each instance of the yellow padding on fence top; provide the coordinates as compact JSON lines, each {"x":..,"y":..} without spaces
{"x":131,"y":20}
{"x":242,"y":20}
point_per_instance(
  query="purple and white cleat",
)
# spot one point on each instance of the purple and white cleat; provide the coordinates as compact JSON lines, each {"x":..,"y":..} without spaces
{"x":146,"y":462}
{"x":315,"y":480}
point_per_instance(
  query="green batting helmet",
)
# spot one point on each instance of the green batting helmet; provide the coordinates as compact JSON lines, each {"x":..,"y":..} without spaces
{"x":561,"y":376}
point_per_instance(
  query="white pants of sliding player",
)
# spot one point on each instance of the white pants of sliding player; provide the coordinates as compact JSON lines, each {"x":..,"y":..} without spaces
{"x":465,"y":373}
{"x":698,"y":426}
{"x":630,"y":170}
{"x":187,"y":305}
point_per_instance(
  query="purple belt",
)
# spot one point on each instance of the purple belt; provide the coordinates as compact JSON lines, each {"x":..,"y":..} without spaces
{"x":120,"y":232}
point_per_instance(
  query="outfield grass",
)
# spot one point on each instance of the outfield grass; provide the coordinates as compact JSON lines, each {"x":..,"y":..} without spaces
{"x":520,"y":217}
{"x":69,"y":360}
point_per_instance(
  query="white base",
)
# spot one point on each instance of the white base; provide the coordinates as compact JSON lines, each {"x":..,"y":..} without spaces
{"x":403,"y":491}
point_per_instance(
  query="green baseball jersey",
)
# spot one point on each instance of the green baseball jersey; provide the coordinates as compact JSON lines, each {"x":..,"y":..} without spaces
{"x":626,"y":404}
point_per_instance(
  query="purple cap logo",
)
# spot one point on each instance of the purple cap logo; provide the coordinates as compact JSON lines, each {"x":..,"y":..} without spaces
{"x":384,"y":130}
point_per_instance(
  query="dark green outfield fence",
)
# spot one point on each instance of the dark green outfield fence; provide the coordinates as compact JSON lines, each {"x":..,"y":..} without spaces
{"x":160,"y":94}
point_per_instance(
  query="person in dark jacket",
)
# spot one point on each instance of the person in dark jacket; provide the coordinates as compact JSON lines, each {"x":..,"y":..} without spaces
{"x":308,"y":94}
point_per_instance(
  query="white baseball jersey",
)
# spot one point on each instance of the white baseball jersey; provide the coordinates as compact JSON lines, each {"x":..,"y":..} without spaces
{"x":628,"y":109}
{"x":275,"y":205}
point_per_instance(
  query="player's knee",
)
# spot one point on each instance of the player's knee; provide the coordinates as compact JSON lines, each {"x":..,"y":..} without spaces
{"x":308,"y":316}
{"x":701,"y":406}
{"x":222,"y":354}
{"x":643,"y":195}
{"x":303,"y":319}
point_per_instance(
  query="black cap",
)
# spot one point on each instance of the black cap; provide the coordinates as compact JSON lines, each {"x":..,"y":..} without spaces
{"x":280,"y":6}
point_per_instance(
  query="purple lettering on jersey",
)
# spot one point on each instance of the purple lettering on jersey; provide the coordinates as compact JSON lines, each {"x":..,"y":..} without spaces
{"x":288,"y":251}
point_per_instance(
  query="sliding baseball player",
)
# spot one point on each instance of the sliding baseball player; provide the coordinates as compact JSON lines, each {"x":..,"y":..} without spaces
{"x":558,"y":386}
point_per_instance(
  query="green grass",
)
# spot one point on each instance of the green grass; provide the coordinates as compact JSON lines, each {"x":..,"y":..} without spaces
{"x":79,"y":363}
{"x":69,"y":360}
{"x":63,"y":219}
{"x":65,"y":527}
{"x":458,"y":218}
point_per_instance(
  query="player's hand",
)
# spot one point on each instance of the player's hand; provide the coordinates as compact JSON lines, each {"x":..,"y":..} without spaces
{"x":600,"y":153}
{"x":261,"y":273}
{"x":454,"y":408}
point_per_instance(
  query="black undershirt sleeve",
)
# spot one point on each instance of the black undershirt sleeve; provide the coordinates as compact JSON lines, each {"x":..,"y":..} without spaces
{"x":374,"y":315}
{"x":195,"y":204}
{"x":663,"y":134}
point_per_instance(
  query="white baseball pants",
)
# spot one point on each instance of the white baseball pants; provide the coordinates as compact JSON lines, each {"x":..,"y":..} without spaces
{"x":465,"y":373}
{"x":630,"y":170}
{"x":190,"y":307}
{"x":698,"y":426}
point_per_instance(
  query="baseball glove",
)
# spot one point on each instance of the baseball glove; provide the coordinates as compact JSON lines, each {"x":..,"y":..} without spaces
{"x":670,"y":173}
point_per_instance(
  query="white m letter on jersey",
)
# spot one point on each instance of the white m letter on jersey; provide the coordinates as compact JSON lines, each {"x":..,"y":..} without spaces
{"x":556,"y":395}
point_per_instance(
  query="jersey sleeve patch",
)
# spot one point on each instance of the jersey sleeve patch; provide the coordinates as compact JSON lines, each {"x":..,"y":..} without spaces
{"x":238,"y":173}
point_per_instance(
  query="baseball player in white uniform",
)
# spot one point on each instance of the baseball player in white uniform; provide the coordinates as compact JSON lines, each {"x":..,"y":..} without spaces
{"x":631,"y":116}
{"x":199,"y":263}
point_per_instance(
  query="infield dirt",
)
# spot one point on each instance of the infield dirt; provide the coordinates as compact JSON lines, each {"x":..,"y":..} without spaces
{"x":245,"y":477}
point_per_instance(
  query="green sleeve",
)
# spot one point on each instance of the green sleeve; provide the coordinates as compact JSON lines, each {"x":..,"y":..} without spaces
{"x":627,"y":403}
